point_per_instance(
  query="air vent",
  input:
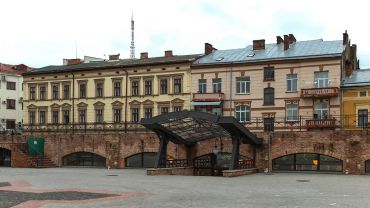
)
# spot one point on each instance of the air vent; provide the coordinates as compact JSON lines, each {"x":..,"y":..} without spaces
{"x":220,"y":59}
{"x":251,"y":54}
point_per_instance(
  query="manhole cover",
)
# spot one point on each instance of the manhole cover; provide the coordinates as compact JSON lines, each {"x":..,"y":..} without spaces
{"x":112,"y":175}
{"x":304,"y":181}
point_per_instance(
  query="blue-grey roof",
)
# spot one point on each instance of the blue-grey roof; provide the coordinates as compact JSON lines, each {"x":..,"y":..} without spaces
{"x":359,"y":77}
{"x":297,"y":50}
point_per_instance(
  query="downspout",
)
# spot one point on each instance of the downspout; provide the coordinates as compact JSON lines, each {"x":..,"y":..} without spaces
{"x":126,"y":90}
{"x":73,"y":103}
{"x":231,"y":92}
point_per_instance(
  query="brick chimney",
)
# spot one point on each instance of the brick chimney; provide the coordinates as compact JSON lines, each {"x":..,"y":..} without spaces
{"x":114,"y":57}
{"x":259,"y":44}
{"x":286,"y":42}
{"x":71,"y":61}
{"x":345,"y":38}
{"x":208,"y":48}
{"x":279,"y":39}
{"x":144,"y":55}
{"x":168,"y":53}
{"x":292,"y":39}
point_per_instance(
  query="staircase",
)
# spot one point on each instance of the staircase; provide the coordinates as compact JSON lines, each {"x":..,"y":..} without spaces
{"x":34,"y":161}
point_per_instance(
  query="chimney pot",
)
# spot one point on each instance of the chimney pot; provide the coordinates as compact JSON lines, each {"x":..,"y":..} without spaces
{"x":71,"y":61}
{"x":292,"y":39}
{"x":279,"y":39}
{"x":144,"y":55}
{"x":168,"y":53}
{"x":259,"y":44}
{"x":286,"y":42}
{"x":345,"y":38}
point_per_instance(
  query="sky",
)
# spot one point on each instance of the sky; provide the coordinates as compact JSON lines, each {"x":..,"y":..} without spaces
{"x":44,"y":32}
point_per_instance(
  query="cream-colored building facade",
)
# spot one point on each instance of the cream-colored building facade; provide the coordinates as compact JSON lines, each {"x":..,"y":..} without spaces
{"x":294,"y":85}
{"x":115,"y":91}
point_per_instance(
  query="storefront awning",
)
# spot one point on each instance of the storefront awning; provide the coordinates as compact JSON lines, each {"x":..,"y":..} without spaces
{"x":204,"y":103}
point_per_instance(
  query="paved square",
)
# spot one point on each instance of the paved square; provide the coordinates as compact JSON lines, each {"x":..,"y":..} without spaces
{"x":85,"y":187}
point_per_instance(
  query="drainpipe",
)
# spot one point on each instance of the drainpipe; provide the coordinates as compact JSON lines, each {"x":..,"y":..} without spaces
{"x":73,"y":103}
{"x":231,"y":91}
{"x":126,"y":90}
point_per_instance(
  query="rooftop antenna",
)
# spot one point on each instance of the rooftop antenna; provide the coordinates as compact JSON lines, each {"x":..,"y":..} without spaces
{"x":76,"y":49}
{"x":132,"y":47}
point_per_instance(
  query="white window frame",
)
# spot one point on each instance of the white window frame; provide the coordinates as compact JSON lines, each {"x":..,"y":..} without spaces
{"x":292,"y":82}
{"x":216,"y":85}
{"x":240,"y":110}
{"x":243,"y":86}
{"x":291,"y":109}
{"x":321,"y":82}
{"x":202,"y":86}
{"x":321,"y":111}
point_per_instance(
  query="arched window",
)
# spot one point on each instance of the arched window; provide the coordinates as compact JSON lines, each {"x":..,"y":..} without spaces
{"x":307,"y":162}
{"x":321,"y":110}
{"x":84,"y":159}
{"x":141,"y":160}
{"x":242,"y":113}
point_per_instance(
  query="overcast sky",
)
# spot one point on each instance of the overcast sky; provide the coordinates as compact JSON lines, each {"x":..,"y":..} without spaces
{"x":43,"y":32}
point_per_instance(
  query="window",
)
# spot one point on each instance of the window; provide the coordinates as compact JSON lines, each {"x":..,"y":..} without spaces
{"x":321,"y":110}
{"x":82,"y":116}
{"x":242,"y":85}
{"x":292,"y":112}
{"x":135,"y":115}
{"x":66,"y":92}
{"x":177,"y":86}
{"x":99,"y":116}
{"x":32,"y":93}
{"x":148,"y":87}
{"x":10,"y":85}
{"x":291,"y":81}
{"x":269,"y":74}
{"x":243,"y":113}
{"x":177,"y":108}
{"x":216,"y":83}
{"x":307,"y":162}
{"x":10,"y":124}
{"x":163,"y":86}
{"x":362,"y":118}
{"x":117,"y":89}
{"x":363,"y":93}
{"x":99,"y":89}
{"x":164,"y":110}
{"x":42,"y":119}
{"x":82,"y":90}
{"x":116,"y":115}
{"x":202,"y":83}
{"x":10,"y":103}
{"x":321,"y":79}
{"x":55,"y":92}
{"x":32,"y":117}
{"x":66,"y":116}
{"x":148,"y":112}
{"x":135,"y":88}
{"x":55,"y":116}
{"x":269,"y":96}
{"x":42,"y":93}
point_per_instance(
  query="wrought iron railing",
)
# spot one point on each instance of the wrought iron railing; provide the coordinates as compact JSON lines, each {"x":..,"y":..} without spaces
{"x":176,"y":163}
{"x":256,"y":124}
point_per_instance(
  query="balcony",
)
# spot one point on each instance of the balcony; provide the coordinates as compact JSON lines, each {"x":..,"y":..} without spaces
{"x":329,"y":123}
{"x":320,"y":92}
{"x":208,"y":96}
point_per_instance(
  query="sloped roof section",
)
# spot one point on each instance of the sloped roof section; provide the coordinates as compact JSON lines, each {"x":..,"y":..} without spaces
{"x":116,"y":64}
{"x":297,"y":50}
{"x":14,"y":69}
{"x":359,"y":77}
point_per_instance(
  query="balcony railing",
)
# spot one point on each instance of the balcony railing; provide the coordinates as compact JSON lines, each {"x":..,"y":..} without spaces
{"x":208,"y":96}
{"x":321,"y":123}
{"x":320,"y":92}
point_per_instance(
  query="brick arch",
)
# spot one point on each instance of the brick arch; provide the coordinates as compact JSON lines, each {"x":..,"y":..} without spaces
{"x":71,"y":152}
{"x":336,"y":156}
{"x":6,"y":146}
{"x":139,"y":152}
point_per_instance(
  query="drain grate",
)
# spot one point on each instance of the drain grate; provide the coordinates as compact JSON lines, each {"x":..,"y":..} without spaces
{"x":112,"y":175}
{"x":303,"y":181}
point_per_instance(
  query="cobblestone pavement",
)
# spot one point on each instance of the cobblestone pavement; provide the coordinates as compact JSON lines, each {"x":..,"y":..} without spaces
{"x":255,"y":191}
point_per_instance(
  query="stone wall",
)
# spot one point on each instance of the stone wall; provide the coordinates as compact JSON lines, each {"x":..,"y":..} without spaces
{"x":353,"y":147}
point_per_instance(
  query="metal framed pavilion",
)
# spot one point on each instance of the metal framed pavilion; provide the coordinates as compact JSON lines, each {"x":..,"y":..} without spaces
{"x":190,"y":127}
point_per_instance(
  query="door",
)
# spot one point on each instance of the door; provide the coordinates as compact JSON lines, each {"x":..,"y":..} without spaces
{"x":362,"y":119}
{"x":5,"y":158}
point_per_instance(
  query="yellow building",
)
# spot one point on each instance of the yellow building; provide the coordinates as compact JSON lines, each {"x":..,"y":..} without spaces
{"x":356,"y":99}
{"x":107,"y":92}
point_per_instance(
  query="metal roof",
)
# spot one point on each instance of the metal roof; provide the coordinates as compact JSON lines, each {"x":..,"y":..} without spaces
{"x":359,"y":77}
{"x":116,"y":64}
{"x":297,"y":50}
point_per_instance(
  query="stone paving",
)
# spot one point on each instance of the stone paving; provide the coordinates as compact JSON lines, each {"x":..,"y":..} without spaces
{"x":133,"y":188}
